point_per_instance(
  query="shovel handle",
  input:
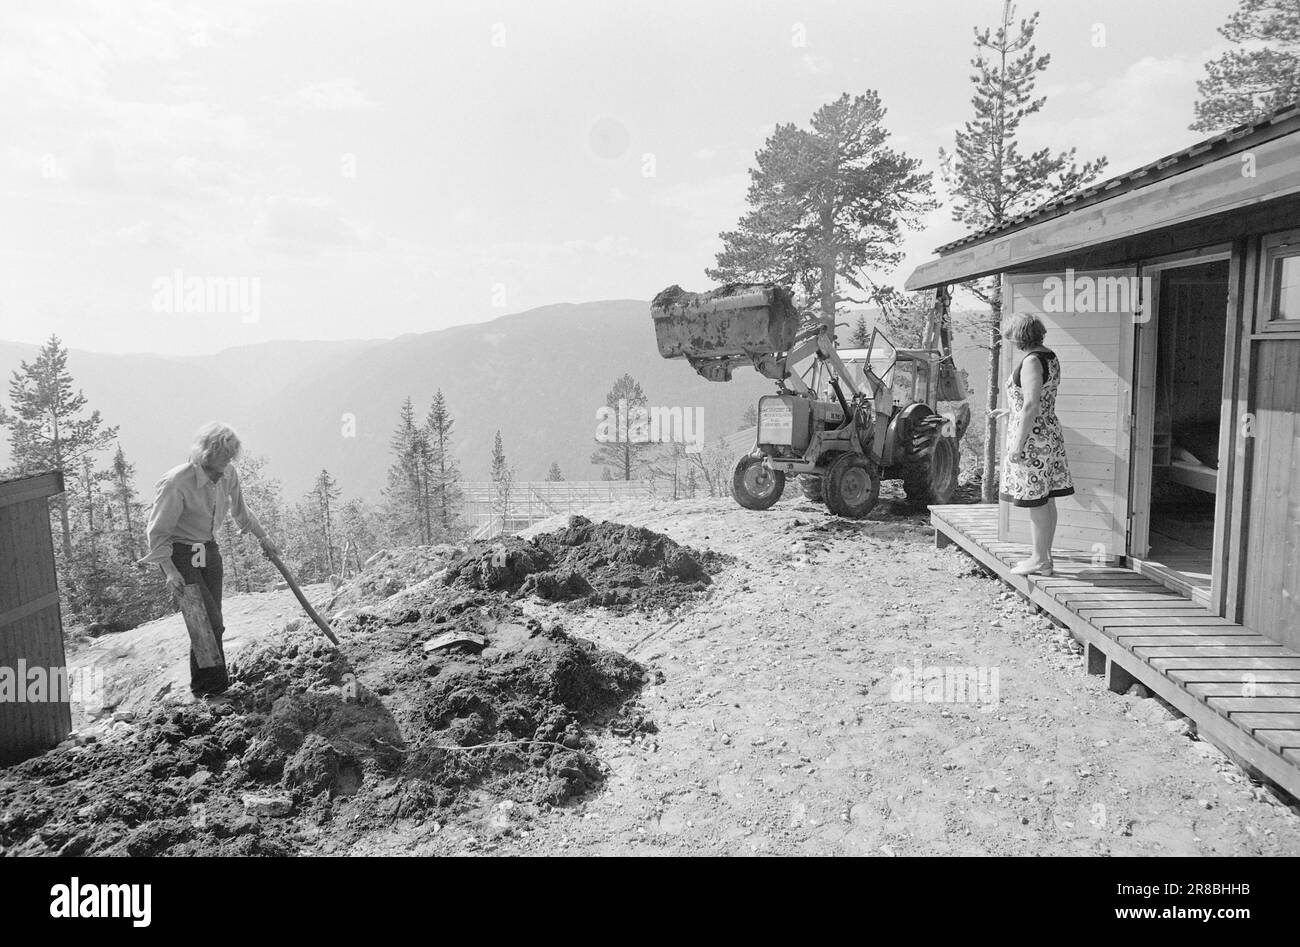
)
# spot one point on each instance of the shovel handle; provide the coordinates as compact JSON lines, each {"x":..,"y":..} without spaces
{"x":302,"y":599}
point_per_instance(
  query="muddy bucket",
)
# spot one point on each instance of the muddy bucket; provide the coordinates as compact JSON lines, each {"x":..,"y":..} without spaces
{"x":737,"y":319}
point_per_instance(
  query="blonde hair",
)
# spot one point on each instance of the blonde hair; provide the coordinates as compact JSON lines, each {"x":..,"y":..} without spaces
{"x":214,"y":442}
{"x":1024,"y":329}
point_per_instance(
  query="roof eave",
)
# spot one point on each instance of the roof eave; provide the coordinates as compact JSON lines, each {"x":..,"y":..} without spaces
{"x":1203,"y":189}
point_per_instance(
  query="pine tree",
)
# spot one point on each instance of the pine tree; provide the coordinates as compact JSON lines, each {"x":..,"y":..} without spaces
{"x":991,"y":180}
{"x":89,"y":483}
{"x":861,"y":336}
{"x":827,"y":204}
{"x":553,"y":475}
{"x":420,"y":463}
{"x":46,"y":427}
{"x":302,"y":545}
{"x":361,"y":531}
{"x":444,"y":471}
{"x":502,"y":475}
{"x":101,"y":583}
{"x":749,"y":418}
{"x":623,"y":436}
{"x":1260,"y":74}
{"x":86,"y":573}
{"x":404,"y":494}
{"x":124,"y":498}
{"x":325,"y":491}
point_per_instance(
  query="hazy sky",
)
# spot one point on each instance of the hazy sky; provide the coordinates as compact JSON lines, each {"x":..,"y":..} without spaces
{"x":381,"y":167}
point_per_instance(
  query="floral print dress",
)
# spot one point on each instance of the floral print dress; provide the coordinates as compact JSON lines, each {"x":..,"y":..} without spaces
{"x":1043,"y":473}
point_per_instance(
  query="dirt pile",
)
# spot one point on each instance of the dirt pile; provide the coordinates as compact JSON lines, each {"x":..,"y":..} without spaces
{"x":436,"y":697}
{"x":391,"y":571}
{"x":307,"y":733}
{"x":608,"y":564}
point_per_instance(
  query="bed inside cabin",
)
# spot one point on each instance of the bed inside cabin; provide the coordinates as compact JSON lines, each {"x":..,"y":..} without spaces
{"x":1191,"y":323}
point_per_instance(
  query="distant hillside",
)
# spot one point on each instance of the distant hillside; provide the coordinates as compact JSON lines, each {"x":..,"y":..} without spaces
{"x":538,"y":376}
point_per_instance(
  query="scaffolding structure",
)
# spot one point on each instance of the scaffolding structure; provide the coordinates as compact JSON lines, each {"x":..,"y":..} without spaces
{"x":487,"y":513}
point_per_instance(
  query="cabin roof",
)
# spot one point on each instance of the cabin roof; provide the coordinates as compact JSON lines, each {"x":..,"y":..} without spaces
{"x":1277,"y":124}
{"x":1211,"y":149}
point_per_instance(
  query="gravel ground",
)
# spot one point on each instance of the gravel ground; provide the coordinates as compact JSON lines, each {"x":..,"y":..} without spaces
{"x":796,"y":714}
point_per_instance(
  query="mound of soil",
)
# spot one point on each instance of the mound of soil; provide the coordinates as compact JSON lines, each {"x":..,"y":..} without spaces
{"x":391,"y":571}
{"x":608,"y":564}
{"x":304,"y":735}
{"x":434,"y":699}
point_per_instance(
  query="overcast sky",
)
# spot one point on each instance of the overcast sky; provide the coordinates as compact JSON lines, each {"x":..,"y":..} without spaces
{"x":383,"y":167}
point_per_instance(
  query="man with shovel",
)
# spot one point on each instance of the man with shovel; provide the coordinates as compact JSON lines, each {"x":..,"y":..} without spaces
{"x":190,"y":503}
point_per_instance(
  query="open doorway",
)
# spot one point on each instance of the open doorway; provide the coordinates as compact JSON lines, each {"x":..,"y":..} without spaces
{"x":1180,"y":385}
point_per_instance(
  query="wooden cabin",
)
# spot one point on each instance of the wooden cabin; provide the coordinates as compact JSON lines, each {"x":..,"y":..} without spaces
{"x":31,"y":630}
{"x":1171,"y":295}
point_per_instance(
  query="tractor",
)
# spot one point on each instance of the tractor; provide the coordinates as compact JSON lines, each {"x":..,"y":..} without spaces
{"x":840,"y":420}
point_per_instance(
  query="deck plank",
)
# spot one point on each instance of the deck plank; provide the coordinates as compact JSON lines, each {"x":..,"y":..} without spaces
{"x":1267,"y":721}
{"x":1205,"y":662}
{"x":1086,"y":596}
{"x":1198,"y":641}
{"x":1189,"y":632}
{"x":1095,"y":578}
{"x":1225,"y":689}
{"x":1193,"y":677}
{"x":1239,"y":704}
{"x":1207,"y":620}
{"x":1280,"y":739}
{"x":1116,"y":610}
{"x":1148,"y":653}
{"x":1087,"y":570}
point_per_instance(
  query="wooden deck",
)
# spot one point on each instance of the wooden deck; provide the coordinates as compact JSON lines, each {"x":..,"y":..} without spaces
{"x":1241,"y":689}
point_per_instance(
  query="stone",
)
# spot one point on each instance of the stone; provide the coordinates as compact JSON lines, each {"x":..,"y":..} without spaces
{"x":267,"y":805}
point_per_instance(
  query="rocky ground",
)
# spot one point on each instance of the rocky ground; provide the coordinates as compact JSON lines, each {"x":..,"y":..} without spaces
{"x":755,"y":700}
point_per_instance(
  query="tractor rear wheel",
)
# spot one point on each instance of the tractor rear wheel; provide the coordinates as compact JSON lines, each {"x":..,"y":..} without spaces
{"x":852,"y":485}
{"x":931,"y":479}
{"x":811,"y":487}
{"x":755,"y":486}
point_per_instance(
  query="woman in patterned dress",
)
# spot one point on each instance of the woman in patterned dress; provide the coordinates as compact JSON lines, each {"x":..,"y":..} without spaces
{"x":1034,"y":469}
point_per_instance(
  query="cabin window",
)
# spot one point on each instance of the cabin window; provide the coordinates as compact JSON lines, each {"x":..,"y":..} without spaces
{"x":1286,"y":289}
{"x":1282,"y":281}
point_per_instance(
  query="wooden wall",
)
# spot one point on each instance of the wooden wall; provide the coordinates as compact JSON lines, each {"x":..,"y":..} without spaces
{"x":1271,"y":597}
{"x":30,"y":626}
{"x":1096,"y":354}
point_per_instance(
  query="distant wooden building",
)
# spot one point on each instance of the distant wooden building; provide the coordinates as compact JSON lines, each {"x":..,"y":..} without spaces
{"x":31,"y":630}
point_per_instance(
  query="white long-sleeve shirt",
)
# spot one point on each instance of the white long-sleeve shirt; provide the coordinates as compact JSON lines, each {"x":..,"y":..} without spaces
{"x":189,"y":508}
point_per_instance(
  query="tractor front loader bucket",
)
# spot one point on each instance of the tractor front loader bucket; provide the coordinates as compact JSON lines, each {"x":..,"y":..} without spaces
{"x":739,"y":321}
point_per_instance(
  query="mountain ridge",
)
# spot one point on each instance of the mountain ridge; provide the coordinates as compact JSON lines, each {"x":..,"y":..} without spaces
{"x":539,"y":376}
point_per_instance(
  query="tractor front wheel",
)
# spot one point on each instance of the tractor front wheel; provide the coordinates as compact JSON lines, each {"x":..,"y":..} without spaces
{"x":756,"y":487}
{"x":852,"y":485}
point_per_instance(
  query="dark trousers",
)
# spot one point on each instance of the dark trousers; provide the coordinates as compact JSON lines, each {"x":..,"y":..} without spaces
{"x":207,"y":577}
